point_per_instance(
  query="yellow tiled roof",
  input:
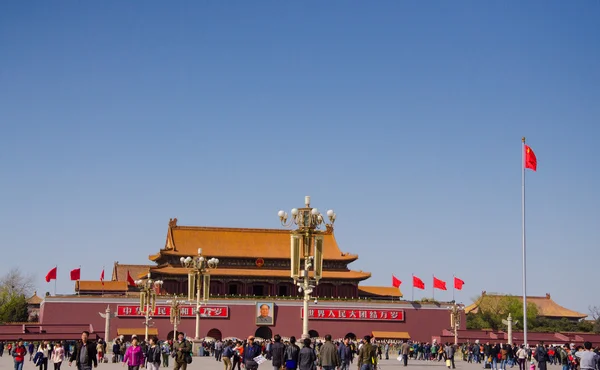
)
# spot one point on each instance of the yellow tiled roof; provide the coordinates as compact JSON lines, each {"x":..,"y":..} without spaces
{"x":120,"y":271}
{"x":391,"y":335}
{"x":136,"y":331}
{"x":546,"y":306}
{"x":96,"y":286}
{"x":34,"y":299}
{"x":240,"y":242}
{"x":383,"y":291}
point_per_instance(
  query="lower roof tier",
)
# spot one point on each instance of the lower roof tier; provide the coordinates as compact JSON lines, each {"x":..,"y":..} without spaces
{"x":243,"y":273}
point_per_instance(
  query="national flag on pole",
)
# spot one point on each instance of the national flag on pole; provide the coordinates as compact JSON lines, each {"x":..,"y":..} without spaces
{"x":396,"y":282}
{"x":130,"y":280}
{"x":458,"y":283}
{"x":439,"y":284}
{"x":418,"y":283}
{"x":102,"y":276}
{"x":51,"y":275}
{"x":530,"y":159}
{"x":76,"y":274}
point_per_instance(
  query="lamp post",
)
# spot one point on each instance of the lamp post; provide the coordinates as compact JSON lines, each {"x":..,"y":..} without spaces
{"x":199,"y":282}
{"x":148,"y":299}
{"x":175,"y":314}
{"x":455,"y":320}
{"x":306,"y":244}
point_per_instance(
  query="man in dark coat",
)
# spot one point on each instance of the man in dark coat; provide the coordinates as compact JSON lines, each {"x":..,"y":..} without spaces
{"x":278,"y":352}
{"x":84,"y":354}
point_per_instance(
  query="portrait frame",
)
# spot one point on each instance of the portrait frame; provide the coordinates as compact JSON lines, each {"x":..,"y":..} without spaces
{"x":261,"y":320}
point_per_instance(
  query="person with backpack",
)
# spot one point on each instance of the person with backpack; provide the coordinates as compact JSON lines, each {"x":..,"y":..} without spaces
{"x":182,"y":352}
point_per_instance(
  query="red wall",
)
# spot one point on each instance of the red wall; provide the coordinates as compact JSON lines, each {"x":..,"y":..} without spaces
{"x":421,"y":322}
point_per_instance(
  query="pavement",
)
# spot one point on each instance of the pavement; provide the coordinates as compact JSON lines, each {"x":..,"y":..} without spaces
{"x":209,"y":363}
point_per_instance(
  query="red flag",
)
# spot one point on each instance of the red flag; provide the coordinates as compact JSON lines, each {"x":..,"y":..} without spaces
{"x":530,"y":159}
{"x":396,"y":282}
{"x":51,"y":275}
{"x":76,"y":274}
{"x":418,"y":283}
{"x":102,"y":277}
{"x":130,"y":281}
{"x":439,"y":284}
{"x":458,"y":283}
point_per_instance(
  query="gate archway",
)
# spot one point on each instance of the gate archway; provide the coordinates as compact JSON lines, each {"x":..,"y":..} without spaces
{"x":313,"y":334}
{"x":264,"y":332}
{"x":215,"y":333}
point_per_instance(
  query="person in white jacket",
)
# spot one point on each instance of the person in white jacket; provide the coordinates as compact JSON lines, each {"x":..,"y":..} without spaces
{"x":45,"y":349}
{"x":58,"y":355}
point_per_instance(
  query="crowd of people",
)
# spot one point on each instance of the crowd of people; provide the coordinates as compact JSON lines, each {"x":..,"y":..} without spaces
{"x":290,"y":354}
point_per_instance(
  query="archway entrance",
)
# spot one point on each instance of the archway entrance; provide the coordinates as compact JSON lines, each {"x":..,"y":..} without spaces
{"x":313,"y":333}
{"x":351,"y":336}
{"x":264,"y":332}
{"x":215,"y":333}
{"x":172,"y":333}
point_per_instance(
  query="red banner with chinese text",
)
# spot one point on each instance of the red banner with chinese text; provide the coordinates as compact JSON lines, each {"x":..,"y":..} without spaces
{"x":216,"y":312}
{"x":354,"y":314}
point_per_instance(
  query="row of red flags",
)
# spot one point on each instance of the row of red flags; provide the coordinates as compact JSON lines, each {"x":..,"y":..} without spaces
{"x":437,"y":283}
{"x":76,"y":275}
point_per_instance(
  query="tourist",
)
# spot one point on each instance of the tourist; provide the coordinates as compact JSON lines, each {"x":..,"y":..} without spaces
{"x":277,"y":352}
{"x":251,"y":351}
{"x":307,"y":356}
{"x":328,"y":355}
{"x":134,"y":356}
{"x":45,"y":350}
{"x":181,"y":350}
{"x":449,"y":352}
{"x":58,"y":355}
{"x":588,"y":359}
{"x":18,"y":353}
{"x":1,"y":348}
{"x":227,"y":354}
{"x":238,"y":355}
{"x":366,"y":360}
{"x":166,"y":351}
{"x":100,"y":350}
{"x":153,"y":355}
{"x":116,"y":348}
{"x":345,"y":354}
{"x":522,"y":357}
{"x":31,"y":349}
{"x":541,"y":356}
{"x":84,"y":353}
{"x":292,"y":351}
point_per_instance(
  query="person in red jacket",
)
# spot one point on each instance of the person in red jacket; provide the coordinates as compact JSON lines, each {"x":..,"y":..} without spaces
{"x":19,"y":353}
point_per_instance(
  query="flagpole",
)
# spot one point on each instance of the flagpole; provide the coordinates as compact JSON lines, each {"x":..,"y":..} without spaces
{"x":433,"y":289}
{"x":103,"y":280}
{"x":413,"y":288}
{"x":56,"y":267}
{"x":453,"y":287}
{"x":78,"y":280}
{"x":523,"y":242}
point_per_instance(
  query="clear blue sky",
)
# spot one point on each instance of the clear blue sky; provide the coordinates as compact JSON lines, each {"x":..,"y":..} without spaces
{"x":404,"y":117}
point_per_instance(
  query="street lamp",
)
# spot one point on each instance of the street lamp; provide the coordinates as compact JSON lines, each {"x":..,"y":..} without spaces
{"x":306,"y":243}
{"x":148,"y":299}
{"x":199,"y":281}
{"x":455,"y":311}
{"x":175,"y":314}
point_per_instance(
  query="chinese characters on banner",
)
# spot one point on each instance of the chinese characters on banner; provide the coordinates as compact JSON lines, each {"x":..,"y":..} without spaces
{"x":217,"y":312}
{"x":354,"y":314}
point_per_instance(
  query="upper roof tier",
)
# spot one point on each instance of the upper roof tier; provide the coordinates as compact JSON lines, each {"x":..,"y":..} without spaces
{"x":546,"y":306}
{"x":239,"y":242}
